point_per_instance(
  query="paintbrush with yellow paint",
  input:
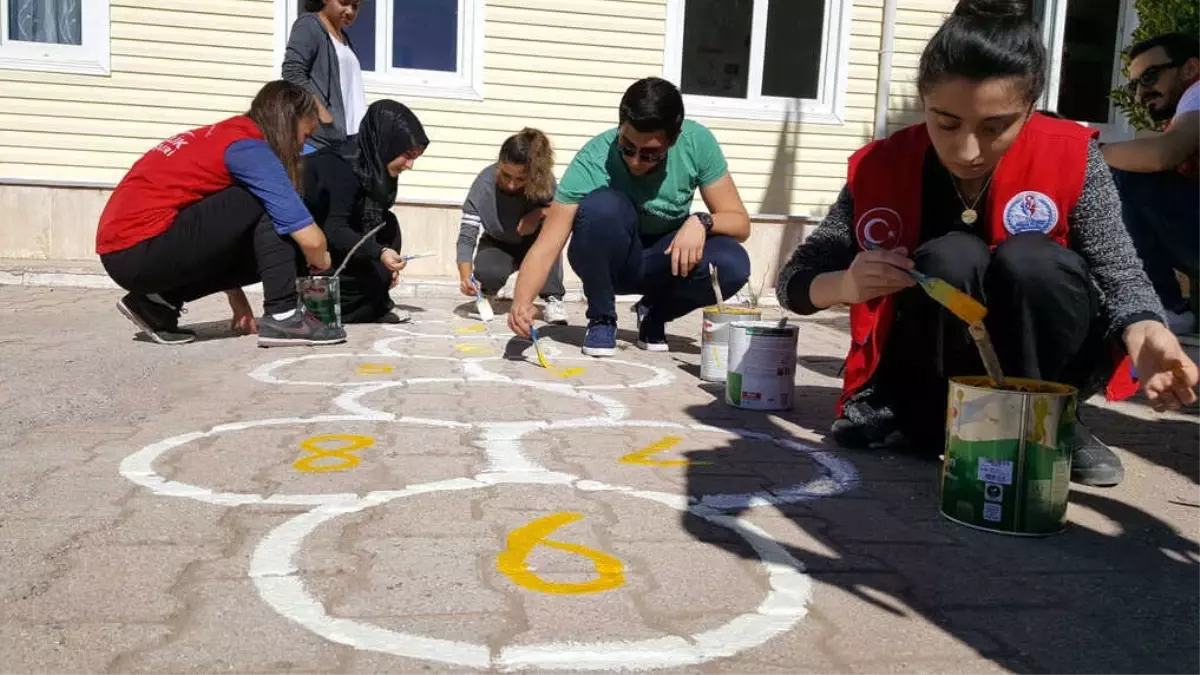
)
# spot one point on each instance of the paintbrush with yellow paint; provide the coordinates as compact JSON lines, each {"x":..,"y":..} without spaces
{"x":971,"y":311}
{"x":538,"y":348}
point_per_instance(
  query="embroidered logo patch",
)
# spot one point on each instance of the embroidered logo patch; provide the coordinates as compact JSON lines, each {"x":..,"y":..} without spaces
{"x":879,"y":227}
{"x":1030,"y":211}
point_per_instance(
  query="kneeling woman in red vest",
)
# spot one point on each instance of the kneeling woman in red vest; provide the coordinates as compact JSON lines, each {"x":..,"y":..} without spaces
{"x":215,"y":209}
{"x":1013,"y":207}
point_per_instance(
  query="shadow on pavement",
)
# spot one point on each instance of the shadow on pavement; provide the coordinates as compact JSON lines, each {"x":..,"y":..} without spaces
{"x":1115,"y":592}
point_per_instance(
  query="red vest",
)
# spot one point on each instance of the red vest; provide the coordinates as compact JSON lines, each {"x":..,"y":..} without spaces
{"x":173,"y":175}
{"x":1033,"y":189}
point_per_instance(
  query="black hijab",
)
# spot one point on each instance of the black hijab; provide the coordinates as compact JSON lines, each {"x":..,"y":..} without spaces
{"x":389,"y":129}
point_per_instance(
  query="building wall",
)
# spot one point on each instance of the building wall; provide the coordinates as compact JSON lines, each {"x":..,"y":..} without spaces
{"x":560,"y":65}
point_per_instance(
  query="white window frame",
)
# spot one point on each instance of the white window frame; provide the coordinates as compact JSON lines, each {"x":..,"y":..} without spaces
{"x":89,"y":58}
{"x":466,"y":83}
{"x":827,"y":108}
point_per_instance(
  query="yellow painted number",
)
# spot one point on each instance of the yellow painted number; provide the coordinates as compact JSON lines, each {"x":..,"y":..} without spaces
{"x":521,"y":541}
{"x":646,"y":454}
{"x":346,"y":444}
{"x":468,"y":330}
{"x":375,"y":369}
{"x":567,"y":372}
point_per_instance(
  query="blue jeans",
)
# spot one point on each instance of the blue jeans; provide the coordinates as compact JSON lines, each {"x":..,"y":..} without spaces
{"x":1162,"y":213}
{"x":611,"y":257}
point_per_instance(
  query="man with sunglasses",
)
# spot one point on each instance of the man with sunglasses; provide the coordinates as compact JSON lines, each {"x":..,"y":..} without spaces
{"x":626,"y":204}
{"x":1157,"y":177}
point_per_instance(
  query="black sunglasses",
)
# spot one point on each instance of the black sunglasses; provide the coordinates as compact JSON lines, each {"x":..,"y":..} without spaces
{"x":1149,"y":76}
{"x":629,"y":150}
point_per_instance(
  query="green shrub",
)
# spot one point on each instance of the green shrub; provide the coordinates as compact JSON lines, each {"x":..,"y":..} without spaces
{"x":1155,"y":17}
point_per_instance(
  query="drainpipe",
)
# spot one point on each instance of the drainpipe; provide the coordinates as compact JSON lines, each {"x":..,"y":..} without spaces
{"x":883,"y":87}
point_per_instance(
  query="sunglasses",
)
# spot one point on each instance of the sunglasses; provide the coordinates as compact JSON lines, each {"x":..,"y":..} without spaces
{"x":630,"y":150}
{"x":1149,"y":76}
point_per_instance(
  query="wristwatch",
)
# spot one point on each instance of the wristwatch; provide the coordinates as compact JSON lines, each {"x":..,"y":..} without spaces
{"x":705,"y":220}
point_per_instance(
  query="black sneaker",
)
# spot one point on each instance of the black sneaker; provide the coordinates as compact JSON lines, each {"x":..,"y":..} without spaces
{"x":301,"y":328}
{"x":158,"y":321}
{"x":652,"y":334}
{"x":1092,"y":462}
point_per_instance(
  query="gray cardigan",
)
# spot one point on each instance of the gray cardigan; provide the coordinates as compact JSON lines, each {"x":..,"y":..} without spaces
{"x":311,"y":62}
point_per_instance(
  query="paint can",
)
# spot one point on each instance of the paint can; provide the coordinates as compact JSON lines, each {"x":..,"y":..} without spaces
{"x":714,"y":339}
{"x":1007,"y":466}
{"x":762,"y":365}
{"x":323,"y":297}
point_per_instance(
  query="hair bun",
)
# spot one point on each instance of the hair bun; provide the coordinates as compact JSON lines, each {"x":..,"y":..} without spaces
{"x":991,"y":9}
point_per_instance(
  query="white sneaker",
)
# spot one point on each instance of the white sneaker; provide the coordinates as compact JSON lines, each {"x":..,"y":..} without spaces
{"x":556,"y":312}
{"x":506,"y":292}
{"x":1181,"y":323}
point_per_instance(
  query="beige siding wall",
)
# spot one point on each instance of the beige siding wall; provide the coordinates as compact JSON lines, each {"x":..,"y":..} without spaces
{"x":560,"y":65}
{"x":916,"y":22}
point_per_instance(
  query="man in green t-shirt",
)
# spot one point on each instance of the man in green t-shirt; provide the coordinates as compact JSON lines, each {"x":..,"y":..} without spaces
{"x":625,"y":202}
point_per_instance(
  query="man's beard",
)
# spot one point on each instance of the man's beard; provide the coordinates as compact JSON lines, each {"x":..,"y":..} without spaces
{"x":1163,"y":113}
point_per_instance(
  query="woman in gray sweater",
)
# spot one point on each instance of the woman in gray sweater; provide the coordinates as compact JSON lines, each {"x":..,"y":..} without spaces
{"x":1015,"y":208}
{"x":320,"y":58}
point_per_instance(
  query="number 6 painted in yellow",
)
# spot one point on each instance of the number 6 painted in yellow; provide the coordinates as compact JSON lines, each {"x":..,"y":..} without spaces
{"x":511,"y":561}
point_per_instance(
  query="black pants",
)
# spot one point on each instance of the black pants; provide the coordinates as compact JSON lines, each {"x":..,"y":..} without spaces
{"x":496,"y":260}
{"x":1042,"y":310}
{"x":221,"y":242}
{"x":367,"y":282}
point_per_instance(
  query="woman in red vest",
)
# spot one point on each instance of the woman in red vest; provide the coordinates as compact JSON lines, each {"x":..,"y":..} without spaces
{"x":1016,"y":208}
{"x":215,"y":209}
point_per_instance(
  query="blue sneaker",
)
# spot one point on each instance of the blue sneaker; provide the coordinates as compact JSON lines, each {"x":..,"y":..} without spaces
{"x":652,"y":334}
{"x":601,"y":338}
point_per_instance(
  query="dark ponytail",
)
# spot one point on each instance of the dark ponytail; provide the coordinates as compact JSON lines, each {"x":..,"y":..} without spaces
{"x":984,"y":39}
{"x":531,"y":149}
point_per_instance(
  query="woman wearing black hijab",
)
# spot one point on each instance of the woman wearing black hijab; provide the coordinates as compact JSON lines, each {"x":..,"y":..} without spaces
{"x":349,"y":190}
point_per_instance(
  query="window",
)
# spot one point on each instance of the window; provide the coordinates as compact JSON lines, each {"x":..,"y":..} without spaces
{"x":758,"y":59}
{"x":69,"y":36}
{"x":417,"y":47}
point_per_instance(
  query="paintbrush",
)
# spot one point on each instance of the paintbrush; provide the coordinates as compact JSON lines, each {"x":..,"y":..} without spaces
{"x":538,"y":348}
{"x":414,"y":256}
{"x":716,"y":284}
{"x":481,"y":304}
{"x":970,"y":310}
{"x":991,"y":362}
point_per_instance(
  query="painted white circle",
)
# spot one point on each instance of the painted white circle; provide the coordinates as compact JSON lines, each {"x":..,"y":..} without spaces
{"x":266,"y":373}
{"x":275,"y":575}
{"x":659,"y":376}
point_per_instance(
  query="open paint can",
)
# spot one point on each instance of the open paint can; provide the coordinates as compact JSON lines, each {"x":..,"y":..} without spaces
{"x":714,"y":339}
{"x":323,"y":297}
{"x":762,"y":365}
{"x":1007,"y":466}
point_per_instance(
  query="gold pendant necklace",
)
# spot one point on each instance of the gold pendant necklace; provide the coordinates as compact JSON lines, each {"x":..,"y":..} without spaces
{"x":969,"y":214}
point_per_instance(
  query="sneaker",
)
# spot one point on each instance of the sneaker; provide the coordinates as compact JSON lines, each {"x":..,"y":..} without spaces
{"x":160,"y":322}
{"x":301,"y":328}
{"x":601,"y":338}
{"x":555,"y":312}
{"x":652,"y":334}
{"x":396,"y":316}
{"x":506,"y":291}
{"x":1181,"y":323}
{"x":1092,"y":462}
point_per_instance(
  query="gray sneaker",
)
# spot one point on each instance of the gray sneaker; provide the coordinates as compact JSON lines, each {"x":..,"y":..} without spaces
{"x":301,"y":328}
{"x":1092,"y":462}
{"x":158,"y":321}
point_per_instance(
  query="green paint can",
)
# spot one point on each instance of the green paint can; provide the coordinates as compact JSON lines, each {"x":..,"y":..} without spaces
{"x":1007,"y":467}
{"x":323,"y":297}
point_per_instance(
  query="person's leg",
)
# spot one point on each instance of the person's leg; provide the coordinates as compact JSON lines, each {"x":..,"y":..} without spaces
{"x":1042,"y":311}
{"x":493,"y":265}
{"x":926,"y":346}
{"x":605,"y":250}
{"x":1161,"y":212}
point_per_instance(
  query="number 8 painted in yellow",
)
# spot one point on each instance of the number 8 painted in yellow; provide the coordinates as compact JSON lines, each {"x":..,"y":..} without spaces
{"x":511,"y":561}
{"x":350,"y":444}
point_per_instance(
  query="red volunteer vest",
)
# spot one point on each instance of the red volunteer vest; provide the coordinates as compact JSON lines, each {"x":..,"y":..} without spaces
{"x":173,"y":175}
{"x":1033,"y":189}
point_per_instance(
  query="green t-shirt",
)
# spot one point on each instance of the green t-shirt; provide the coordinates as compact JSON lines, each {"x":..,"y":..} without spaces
{"x":664,"y":196}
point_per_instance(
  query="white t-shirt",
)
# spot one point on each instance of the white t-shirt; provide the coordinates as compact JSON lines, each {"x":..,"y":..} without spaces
{"x":1190,"y":101}
{"x":354,"y":98}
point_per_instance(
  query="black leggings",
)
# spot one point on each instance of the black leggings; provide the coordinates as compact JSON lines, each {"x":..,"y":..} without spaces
{"x":367,"y":282}
{"x":1042,"y":310}
{"x":221,"y":242}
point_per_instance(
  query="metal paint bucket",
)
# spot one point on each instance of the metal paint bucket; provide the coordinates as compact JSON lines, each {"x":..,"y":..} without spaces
{"x":714,"y":339}
{"x":323,"y":297}
{"x":1007,"y":467}
{"x":762,"y":365}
